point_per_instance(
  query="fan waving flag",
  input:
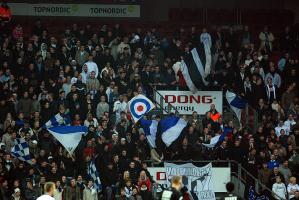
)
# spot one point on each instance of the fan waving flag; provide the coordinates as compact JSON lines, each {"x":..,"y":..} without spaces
{"x":150,"y":130}
{"x":68,"y":136}
{"x":236,"y":103}
{"x":93,"y":173}
{"x":219,"y":138}
{"x":21,"y":150}
{"x":139,"y":106}
{"x":59,"y":119}
{"x":196,"y":66}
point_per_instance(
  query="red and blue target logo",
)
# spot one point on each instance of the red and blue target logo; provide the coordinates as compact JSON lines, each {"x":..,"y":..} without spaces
{"x":139,"y":106}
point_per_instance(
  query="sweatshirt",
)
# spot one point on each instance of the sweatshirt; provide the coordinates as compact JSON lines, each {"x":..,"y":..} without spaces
{"x":279,"y":189}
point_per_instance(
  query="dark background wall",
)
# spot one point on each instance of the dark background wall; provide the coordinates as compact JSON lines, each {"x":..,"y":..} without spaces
{"x":158,"y":9}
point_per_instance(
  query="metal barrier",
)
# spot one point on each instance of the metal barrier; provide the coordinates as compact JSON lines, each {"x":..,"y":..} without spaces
{"x":161,"y":102}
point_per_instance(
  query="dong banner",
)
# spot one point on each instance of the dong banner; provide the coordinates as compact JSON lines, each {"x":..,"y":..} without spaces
{"x":187,"y":102}
{"x":198,"y":180}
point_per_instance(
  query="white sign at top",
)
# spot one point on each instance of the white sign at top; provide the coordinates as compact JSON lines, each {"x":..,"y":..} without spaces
{"x":186,"y":102}
{"x":75,"y":10}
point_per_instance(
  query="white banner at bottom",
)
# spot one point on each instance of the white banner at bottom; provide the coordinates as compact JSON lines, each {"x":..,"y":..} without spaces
{"x":198,"y":180}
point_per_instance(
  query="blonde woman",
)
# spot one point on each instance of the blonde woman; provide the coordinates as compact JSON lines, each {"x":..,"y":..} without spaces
{"x":124,"y":179}
{"x":144,"y":180}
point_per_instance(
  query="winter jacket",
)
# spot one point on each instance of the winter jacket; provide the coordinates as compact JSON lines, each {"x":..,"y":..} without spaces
{"x":68,"y":192}
{"x":90,"y":194}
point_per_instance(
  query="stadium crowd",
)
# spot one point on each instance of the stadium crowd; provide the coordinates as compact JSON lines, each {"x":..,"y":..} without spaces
{"x":91,"y":74}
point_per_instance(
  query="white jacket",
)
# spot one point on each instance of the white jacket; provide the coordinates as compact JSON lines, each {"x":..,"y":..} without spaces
{"x":90,"y":194}
{"x":279,"y":189}
{"x":291,"y":189}
{"x":92,"y":67}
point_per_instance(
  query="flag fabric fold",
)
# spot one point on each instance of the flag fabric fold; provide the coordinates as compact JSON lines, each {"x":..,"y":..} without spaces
{"x":218,"y":138}
{"x":68,"y":136}
{"x":253,"y":196}
{"x":236,"y":103}
{"x":150,"y":130}
{"x":21,"y":150}
{"x":93,"y":173}
{"x":196,"y":66}
{"x":171,"y":128}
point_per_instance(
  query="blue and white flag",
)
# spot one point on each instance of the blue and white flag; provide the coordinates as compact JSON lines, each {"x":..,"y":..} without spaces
{"x":253,"y":196}
{"x":150,"y":130}
{"x":68,"y":136}
{"x":58,"y":120}
{"x":21,"y":150}
{"x":218,"y":138}
{"x":236,"y":103}
{"x":93,"y":173}
{"x":139,"y":106}
{"x":171,"y":128}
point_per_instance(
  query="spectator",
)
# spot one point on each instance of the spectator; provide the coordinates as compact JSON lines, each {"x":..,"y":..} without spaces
{"x":25,"y":104}
{"x":122,"y":195}
{"x":280,"y":127}
{"x":135,"y":194}
{"x":279,"y":189}
{"x":128,"y":189}
{"x":293,"y":189}
{"x":290,"y":122}
{"x":18,"y":32}
{"x":58,"y":192}
{"x":266,"y":39}
{"x":285,"y":171}
{"x":144,"y":182}
{"x":102,"y":107}
{"x":17,"y":194}
{"x":264,"y":174}
{"x":30,"y":193}
{"x":205,"y":37}
{"x":5,"y":12}
{"x":90,"y":193}
{"x":72,"y":191}
{"x":273,"y":75}
{"x":92,"y":67}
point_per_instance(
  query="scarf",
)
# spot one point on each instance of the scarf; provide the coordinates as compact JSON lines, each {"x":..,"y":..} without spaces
{"x":247,"y":86}
{"x":269,"y":91}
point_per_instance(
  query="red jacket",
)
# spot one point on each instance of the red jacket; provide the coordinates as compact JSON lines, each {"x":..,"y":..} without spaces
{"x":5,"y":13}
{"x":146,"y":182}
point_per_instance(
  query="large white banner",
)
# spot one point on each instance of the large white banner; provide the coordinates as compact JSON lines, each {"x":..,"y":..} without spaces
{"x":75,"y":10}
{"x":187,"y":102}
{"x":198,"y":180}
{"x":221,"y":175}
